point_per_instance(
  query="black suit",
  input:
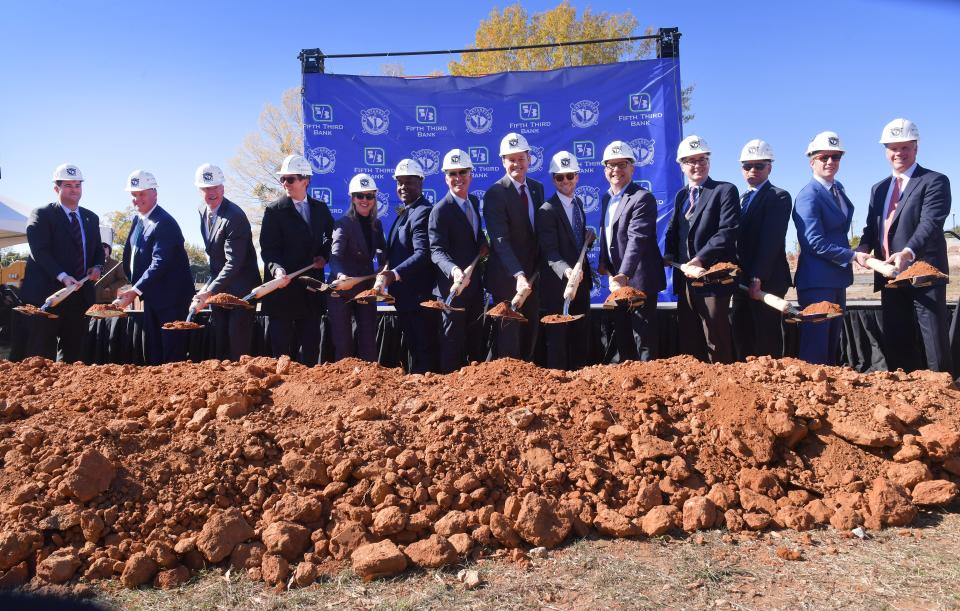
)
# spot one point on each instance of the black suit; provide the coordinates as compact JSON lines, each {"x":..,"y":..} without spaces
{"x":454,"y":243}
{"x":567,"y":344}
{"x":758,"y":328}
{"x":513,"y":249}
{"x":917,"y":224}
{"x":53,"y":251}
{"x":288,"y":243}
{"x":711,"y":236}
{"x":233,"y":270}
{"x":408,"y":252}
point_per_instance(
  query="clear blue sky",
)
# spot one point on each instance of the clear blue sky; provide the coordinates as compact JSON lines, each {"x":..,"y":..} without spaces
{"x":166,"y":86}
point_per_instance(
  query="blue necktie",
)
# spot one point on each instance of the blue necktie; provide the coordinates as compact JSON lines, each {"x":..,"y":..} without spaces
{"x":81,"y":264}
{"x":746,"y":200}
{"x":578,"y":223}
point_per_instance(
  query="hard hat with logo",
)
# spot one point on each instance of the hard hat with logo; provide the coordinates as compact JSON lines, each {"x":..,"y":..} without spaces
{"x":67,"y":171}
{"x":618,"y":149}
{"x":825,"y":141}
{"x":140,"y":180}
{"x":899,"y":130}
{"x":513,"y":143}
{"x":692,"y":145}
{"x":756,"y":150}
{"x":208,"y":175}
{"x":457,"y":159}
{"x":361,"y":183}
{"x":295,"y":164}
{"x":563,"y":161}
{"x":408,"y":167}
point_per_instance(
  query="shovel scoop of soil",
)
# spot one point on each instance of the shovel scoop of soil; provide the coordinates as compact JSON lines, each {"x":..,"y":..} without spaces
{"x":181,"y":325}
{"x":105,"y":310}
{"x":502,"y":310}
{"x":226,"y":300}
{"x":821,"y":307}
{"x":32,"y":310}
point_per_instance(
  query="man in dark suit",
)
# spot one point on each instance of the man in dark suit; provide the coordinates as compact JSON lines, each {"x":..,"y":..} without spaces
{"x":562,"y":233}
{"x":702,"y":232}
{"x":509,"y":208}
{"x":233,"y":263}
{"x":905,"y":224}
{"x":296,"y":231}
{"x":156,"y":262}
{"x":64,"y":242}
{"x":764,"y":216}
{"x":456,"y":238}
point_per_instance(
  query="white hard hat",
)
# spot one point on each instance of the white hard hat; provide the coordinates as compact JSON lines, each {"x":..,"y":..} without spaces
{"x":563,"y":162}
{"x":825,"y":141}
{"x":899,"y":130}
{"x":692,"y":145}
{"x":295,"y":164}
{"x":457,"y":159}
{"x":408,"y":167}
{"x":67,"y":171}
{"x":106,"y":235}
{"x":140,"y":180}
{"x":513,"y":143}
{"x":756,"y":150}
{"x":208,"y":175}
{"x":618,"y":149}
{"x":361,"y":183}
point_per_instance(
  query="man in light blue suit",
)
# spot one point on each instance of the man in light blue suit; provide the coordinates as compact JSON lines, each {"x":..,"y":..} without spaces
{"x":822,"y":214}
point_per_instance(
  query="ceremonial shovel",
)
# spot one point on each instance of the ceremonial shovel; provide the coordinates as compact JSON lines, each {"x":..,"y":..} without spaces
{"x":455,"y":287}
{"x":570,"y":291}
{"x":700,"y":277}
{"x":791,"y":313}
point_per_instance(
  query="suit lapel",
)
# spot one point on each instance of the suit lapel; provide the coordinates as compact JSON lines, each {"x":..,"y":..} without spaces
{"x":358,"y":236}
{"x":564,"y":220}
{"x":517,"y":201}
{"x":706,"y":193}
{"x":905,"y":196}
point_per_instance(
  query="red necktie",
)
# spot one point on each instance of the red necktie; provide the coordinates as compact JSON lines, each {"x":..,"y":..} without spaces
{"x":891,"y":209}
{"x":525,"y":200}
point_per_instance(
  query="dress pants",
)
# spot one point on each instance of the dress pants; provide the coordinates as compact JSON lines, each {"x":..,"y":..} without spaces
{"x":516,"y":339}
{"x":820,"y":341}
{"x":461,"y":335}
{"x":343,"y":314}
{"x":906,"y":309}
{"x":60,"y":338}
{"x":419,"y":329}
{"x":704,"y":323}
{"x":162,"y":346}
{"x":232,"y":332}
{"x":757,"y":328}
{"x":636,"y":333}
{"x":298,"y":338}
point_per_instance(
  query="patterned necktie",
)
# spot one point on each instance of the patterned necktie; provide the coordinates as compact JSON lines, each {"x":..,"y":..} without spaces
{"x":211,"y":220}
{"x":80,"y":265}
{"x":577,"y":223}
{"x":692,"y":202}
{"x":891,"y":209}
{"x":526,"y":202}
{"x":836,"y":196}
{"x":745,"y":200}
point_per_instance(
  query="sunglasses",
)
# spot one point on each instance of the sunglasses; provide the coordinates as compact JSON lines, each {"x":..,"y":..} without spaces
{"x":754,"y":166}
{"x":289,"y":179}
{"x":366,"y":196}
{"x":826,"y":158}
{"x":619,"y":165}
{"x":463,"y":172}
{"x":563,"y":177}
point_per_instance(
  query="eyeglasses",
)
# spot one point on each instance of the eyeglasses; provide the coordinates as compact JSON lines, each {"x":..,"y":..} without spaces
{"x":366,"y":196}
{"x":462,"y":172}
{"x":754,"y":166}
{"x":826,"y":158}
{"x":698,"y":161}
{"x":290,"y":178}
{"x":563,"y":177}
{"x":620,"y":165}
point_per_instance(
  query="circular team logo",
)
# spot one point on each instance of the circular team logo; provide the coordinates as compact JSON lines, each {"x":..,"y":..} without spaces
{"x":134,"y":182}
{"x":590,"y":196}
{"x":322,"y":159}
{"x":374,"y":121}
{"x":428,"y":159}
{"x":643,"y":150}
{"x":208,"y":176}
{"x":383,"y":203}
{"x":536,"y":157}
{"x":71,"y":171}
{"x":479,"y":119}
{"x":584,"y":113}
{"x":833,"y":140}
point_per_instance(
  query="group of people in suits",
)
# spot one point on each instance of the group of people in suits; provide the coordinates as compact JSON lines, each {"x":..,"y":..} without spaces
{"x":527,"y":247}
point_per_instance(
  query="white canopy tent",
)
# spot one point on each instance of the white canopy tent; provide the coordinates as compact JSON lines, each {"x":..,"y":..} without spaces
{"x":13,"y":223}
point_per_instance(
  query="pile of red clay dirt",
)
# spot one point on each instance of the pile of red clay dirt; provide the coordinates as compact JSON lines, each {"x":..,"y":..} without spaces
{"x":919,"y":270}
{"x":229,"y":301}
{"x":31,"y":310}
{"x":822,"y":307}
{"x":148,"y":474}
{"x":181,"y":325}
{"x":502,"y":310}
{"x":625,"y":294}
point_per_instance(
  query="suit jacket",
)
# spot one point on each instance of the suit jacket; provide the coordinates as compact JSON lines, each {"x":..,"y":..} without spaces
{"x":559,"y":247}
{"x":635,"y":252}
{"x":513,"y":242}
{"x":52,"y":250}
{"x":408,"y":251}
{"x":454,"y":243}
{"x":287,"y":242}
{"x":917,"y":222}
{"x":233,"y":261}
{"x":349,"y":254}
{"x":160,"y":268}
{"x":822,"y":230}
{"x":714,"y":227}
{"x":763,"y":230}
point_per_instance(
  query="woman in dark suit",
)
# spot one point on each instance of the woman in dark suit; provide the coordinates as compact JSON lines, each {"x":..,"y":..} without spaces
{"x":357,"y":238}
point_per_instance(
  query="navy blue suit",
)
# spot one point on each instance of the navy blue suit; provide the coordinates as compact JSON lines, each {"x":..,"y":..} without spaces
{"x":408,"y":251}
{"x":711,"y":236}
{"x":917,"y":224}
{"x":824,"y":268}
{"x":160,"y":270}
{"x":454,"y":243}
{"x":758,"y":328}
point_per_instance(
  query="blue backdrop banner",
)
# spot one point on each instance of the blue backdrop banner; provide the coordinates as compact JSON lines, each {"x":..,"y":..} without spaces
{"x":356,"y":124}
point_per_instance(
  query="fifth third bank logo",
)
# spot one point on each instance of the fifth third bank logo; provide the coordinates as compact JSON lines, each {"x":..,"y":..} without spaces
{"x":640,"y":102}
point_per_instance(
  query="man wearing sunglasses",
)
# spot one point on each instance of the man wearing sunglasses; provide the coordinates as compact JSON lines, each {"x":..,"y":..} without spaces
{"x":822,"y":215}
{"x":509,"y":208}
{"x":764,"y":216}
{"x":562,"y":232}
{"x":629,"y":253}
{"x":296,"y":231}
{"x":456,"y":239}
{"x":904,"y":224}
{"x":703,"y":232}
